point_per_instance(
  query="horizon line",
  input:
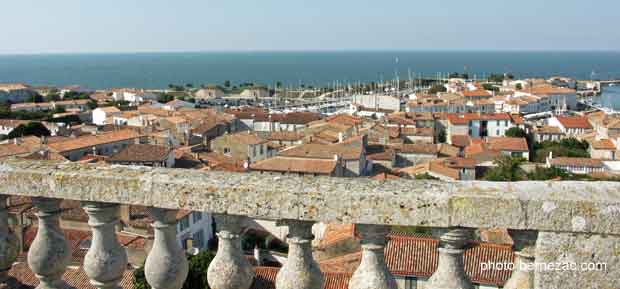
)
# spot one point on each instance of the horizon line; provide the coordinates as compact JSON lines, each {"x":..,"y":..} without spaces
{"x":303,"y":50}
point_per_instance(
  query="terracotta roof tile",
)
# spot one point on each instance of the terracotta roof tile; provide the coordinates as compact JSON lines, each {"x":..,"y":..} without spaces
{"x":577,"y":162}
{"x":75,"y":278}
{"x":508,"y":144}
{"x":295,"y":165}
{"x":417,"y":148}
{"x":415,"y":255}
{"x":604,"y":144}
{"x":89,"y":141}
{"x":141,"y":153}
{"x":574,"y":122}
{"x":323,"y":151}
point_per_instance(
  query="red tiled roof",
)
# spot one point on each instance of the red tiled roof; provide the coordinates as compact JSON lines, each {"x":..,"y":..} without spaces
{"x":550,"y":90}
{"x":249,"y":138}
{"x":265,"y":278}
{"x":508,"y":144}
{"x":574,"y":122}
{"x":604,"y":144}
{"x":414,"y":255}
{"x":577,"y":162}
{"x":460,"y":140}
{"x":335,"y":233}
{"x":476,"y":93}
{"x":344,"y":119}
{"x":417,"y":148}
{"x":295,"y":165}
{"x":93,"y":140}
{"x":285,"y":136}
{"x":323,"y":151}
{"x":75,"y":278}
{"x":141,"y":153}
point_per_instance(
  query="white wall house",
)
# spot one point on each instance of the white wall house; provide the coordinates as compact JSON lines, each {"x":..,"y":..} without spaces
{"x":101,"y":114}
{"x":194,"y":229}
{"x":134,"y":96}
{"x":374,"y":101}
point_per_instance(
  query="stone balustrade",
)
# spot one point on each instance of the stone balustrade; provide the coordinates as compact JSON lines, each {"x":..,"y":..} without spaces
{"x":549,"y":222}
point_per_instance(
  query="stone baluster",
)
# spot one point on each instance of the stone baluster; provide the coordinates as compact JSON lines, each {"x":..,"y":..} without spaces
{"x":106,"y":260}
{"x":8,"y":245}
{"x":372,"y":272}
{"x":229,"y":269}
{"x":450,"y":273}
{"x":524,"y":246}
{"x":166,"y":265}
{"x":300,"y":270}
{"x":49,"y":254}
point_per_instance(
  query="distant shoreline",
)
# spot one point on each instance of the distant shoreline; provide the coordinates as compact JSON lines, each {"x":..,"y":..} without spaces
{"x":156,"y":70}
{"x":258,"y":51}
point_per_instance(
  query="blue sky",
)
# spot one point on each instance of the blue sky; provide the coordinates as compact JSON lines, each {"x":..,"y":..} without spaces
{"x":35,"y":26}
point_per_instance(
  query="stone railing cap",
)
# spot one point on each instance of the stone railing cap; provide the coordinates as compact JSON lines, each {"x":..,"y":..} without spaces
{"x":585,"y":207}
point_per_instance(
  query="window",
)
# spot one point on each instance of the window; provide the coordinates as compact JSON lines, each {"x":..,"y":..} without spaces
{"x":498,"y":123}
{"x":253,"y":151}
{"x":183,"y":224}
{"x":497,"y":132}
{"x":196,"y":217}
{"x":261,"y":150}
{"x":411,"y":283}
{"x":226,"y":150}
{"x":198,"y":239}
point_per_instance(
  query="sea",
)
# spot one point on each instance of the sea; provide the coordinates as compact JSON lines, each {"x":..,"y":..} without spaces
{"x":294,"y":68}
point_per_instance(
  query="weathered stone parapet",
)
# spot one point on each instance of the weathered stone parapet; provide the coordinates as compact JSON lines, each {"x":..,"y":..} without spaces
{"x":49,"y":253}
{"x":450,"y":273}
{"x":522,"y":274}
{"x":166,"y":265}
{"x":372,"y":272}
{"x":106,"y":260}
{"x":8,"y":244}
{"x":577,"y":261}
{"x":229,"y":269}
{"x":300,"y":270}
{"x":583,"y":207}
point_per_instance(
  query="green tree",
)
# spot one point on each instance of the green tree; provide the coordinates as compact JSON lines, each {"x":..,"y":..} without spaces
{"x":165,"y":98}
{"x":544,"y":174}
{"x":31,"y":128}
{"x":519,"y":86}
{"x":51,"y":97}
{"x":35,"y":98}
{"x":227,"y":83}
{"x":569,"y":147}
{"x":278,"y":84}
{"x":60,"y":109}
{"x":437,"y":88}
{"x":491,"y":87}
{"x":507,"y":169}
{"x":441,"y":136}
{"x":496,"y":78}
{"x":516,"y":132}
{"x":92,"y":104}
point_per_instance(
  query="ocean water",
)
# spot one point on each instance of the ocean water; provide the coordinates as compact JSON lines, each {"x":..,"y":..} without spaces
{"x":157,"y":70}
